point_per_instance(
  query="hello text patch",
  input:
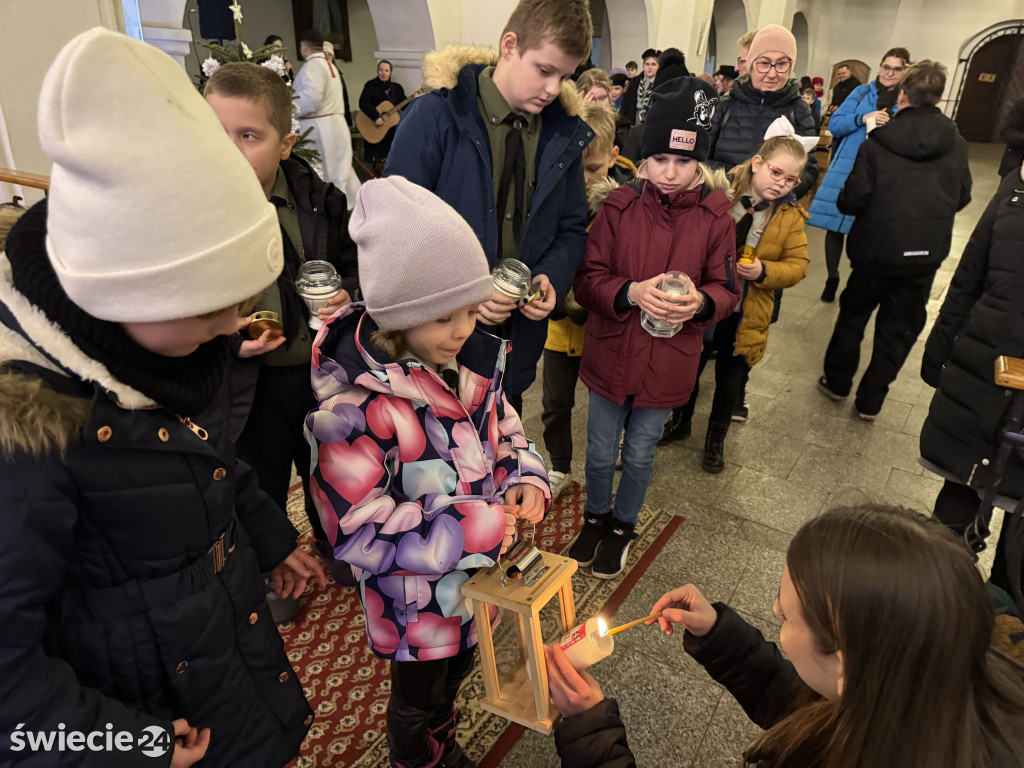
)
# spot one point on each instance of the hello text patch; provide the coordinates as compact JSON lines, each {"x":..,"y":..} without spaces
{"x":685,"y":140}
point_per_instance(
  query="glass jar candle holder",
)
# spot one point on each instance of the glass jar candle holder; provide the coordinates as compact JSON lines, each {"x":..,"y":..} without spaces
{"x":676,"y":285}
{"x":318,"y":282}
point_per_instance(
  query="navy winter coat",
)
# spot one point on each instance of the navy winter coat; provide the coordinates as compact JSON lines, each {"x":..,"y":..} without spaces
{"x":442,"y":144}
{"x":112,"y":610}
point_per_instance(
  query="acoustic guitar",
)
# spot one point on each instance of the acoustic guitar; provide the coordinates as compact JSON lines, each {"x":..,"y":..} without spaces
{"x":390,"y":114}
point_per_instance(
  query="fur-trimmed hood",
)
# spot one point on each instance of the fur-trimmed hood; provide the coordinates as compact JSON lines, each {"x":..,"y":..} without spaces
{"x":441,"y":70}
{"x":34,"y":416}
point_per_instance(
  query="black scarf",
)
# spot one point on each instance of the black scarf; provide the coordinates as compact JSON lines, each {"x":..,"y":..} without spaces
{"x":185,"y":385}
{"x":886,"y":96}
{"x":747,"y":220}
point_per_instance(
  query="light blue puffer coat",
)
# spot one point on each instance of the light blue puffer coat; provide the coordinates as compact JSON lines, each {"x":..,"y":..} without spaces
{"x":847,"y":127}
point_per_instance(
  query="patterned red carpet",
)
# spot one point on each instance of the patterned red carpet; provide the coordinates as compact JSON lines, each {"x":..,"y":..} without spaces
{"x":349,"y":687}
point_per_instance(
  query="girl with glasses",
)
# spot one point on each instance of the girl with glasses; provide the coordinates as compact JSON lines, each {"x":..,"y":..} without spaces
{"x":771,"y":249}
{"x":869,"y":103}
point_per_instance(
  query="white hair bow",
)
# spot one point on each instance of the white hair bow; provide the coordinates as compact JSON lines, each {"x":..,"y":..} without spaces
{"x":782,"y":127}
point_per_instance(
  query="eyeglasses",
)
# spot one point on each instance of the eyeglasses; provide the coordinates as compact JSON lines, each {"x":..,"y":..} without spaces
{"x":892,"y":70}
{"x":778,"y":174}
{"x":740,"y":62}
{"x":763,"y":66}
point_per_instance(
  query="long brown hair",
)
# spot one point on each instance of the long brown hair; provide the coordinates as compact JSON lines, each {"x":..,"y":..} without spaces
{"x":900,"y":597}
{"x":741,"y":179}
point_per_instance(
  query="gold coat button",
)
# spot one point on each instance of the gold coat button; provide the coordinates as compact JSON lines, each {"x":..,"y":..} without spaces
{"x":254,"y":617}
{"x":308,"y":721}
{"x":283,"y":677}
{"x":182,"y":666}
{"x":104,"y":433}
{"x":220,"y":473}
{"x":163,"y":434}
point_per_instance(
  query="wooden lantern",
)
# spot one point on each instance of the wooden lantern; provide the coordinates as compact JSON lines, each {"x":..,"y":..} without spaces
{"x":524,"y":699}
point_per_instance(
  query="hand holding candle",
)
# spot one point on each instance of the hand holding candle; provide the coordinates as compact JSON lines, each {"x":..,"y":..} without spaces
{"x":573,"y":692}
{"x":686,"y":606}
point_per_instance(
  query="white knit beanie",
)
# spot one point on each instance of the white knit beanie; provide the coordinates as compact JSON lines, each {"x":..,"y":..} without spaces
{"x":153,"y":212}
{"x":418,"y":258}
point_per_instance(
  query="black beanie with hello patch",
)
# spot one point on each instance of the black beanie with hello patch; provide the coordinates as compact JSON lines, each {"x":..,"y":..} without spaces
{"x":679,"y":119}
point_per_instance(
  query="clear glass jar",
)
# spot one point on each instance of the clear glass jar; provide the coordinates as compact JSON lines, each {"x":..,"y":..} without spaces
{"x":317,"y":283}
{"x":512,"y":278}
{"x":676,"y":285}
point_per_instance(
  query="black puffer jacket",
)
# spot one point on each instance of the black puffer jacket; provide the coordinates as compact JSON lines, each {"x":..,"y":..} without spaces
{"x":734,"y":653}
{"x":981,"y":319}
{"x":744,"y":114}
{"x":112,"y":612}
{"x":909,"y":179}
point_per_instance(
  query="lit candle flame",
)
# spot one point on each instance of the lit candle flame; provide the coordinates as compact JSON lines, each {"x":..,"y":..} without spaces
{"x":602,"y":627}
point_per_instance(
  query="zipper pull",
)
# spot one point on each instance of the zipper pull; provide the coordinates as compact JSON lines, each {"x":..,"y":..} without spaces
{"x":201,"y":433}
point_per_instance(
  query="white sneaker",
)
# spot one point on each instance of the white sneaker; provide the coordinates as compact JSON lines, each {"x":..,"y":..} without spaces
{"x":560,"y":482}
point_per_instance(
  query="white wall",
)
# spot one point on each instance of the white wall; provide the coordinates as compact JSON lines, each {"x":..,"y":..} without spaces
{"x":32,"y":32}
{"x":363,"y":66}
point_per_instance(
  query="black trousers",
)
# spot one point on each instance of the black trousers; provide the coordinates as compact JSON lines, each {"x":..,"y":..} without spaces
{"x":560,"y":375}
{"x":833,"y":251}
{"x":272,"y":439}
{"x":956,"y":507}
{"x":731,"y":373}
{"x":422,"y":697}
{"x":901,"y":303}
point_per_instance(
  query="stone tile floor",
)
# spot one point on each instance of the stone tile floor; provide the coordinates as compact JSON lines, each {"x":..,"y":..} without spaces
{"x":798,"y":455}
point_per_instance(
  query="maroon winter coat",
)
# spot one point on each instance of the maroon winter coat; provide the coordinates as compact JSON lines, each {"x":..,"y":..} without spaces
{"x":636,"y":237}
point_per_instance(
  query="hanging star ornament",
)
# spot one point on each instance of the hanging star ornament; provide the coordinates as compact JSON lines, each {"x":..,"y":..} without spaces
{"x":236,"y":9}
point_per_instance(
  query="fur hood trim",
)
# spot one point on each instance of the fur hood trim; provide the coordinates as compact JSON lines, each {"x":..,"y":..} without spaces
{"x":56,"y":343}
{"x":441,"y":70}
{"x":716,"y":178}
{"x":36,"y":419}
{"x":598,"y":191}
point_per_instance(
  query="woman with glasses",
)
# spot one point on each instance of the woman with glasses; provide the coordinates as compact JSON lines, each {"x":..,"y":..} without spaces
{"x":868,"y":104}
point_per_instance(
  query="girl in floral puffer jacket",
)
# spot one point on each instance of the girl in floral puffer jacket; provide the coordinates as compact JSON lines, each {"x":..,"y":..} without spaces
{"x":420,"y":465}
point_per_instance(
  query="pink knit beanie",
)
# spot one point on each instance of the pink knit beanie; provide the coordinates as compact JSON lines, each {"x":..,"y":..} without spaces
{"x":418,"y":258}
{"x":772,"y":39}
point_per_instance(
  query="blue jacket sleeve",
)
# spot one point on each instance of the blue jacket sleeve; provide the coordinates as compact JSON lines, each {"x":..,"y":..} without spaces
{"x":37,"y":690}
{"x":418,"y":150}
{"x":848,"y":118}
{"x":562,"y":260}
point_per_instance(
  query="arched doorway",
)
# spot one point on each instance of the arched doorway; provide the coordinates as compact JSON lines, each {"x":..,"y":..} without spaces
{"x":803,"y":44}
{"x":625,"y":33}
{"x":988,"y":80}
{"x":729,"y":20}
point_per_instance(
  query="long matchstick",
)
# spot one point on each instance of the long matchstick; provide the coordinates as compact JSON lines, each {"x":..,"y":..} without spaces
{"x":623,"y":627}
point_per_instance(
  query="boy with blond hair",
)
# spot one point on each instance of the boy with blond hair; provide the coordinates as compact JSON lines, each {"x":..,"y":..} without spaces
{"x":500,"y":140}
{"x":255,"y":108}
{"x":603,"y":170}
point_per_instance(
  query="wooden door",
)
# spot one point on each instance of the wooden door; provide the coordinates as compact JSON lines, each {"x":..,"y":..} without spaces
{"x":987,"y":74}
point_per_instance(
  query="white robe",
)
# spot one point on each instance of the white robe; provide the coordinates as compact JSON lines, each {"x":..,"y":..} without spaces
{"x":321,"y":103}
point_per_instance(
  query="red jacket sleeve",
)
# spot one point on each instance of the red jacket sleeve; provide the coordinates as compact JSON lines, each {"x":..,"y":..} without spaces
{"x":718,"y":277}
{"x":598,"y":281}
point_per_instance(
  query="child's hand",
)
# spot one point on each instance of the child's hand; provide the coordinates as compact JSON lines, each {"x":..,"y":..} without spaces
{"x":751,"y":271}
{"x":573,"y":692}
{"x":497,"y":310}
{"x":338,"y":300}
{"x":267,"y":342}
{"x":661,"y":306}
{"x":686,"y":606}
{"x":190,"y":744}
{"x":530,"y":499}
{"x":540,"y":309}
{"x":291,"y":574}
{"x":511,"y":511}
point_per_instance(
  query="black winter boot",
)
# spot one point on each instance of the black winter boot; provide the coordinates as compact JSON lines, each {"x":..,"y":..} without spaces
{"x":677,"y":427}
{"x":831,"y":286}
{"x":714,"y":448}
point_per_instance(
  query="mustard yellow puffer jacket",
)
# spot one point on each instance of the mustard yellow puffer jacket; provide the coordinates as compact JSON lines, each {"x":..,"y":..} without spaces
{"x":783,"y":251}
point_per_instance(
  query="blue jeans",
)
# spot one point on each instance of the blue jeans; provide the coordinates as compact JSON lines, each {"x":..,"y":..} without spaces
{"x":604,"y":425}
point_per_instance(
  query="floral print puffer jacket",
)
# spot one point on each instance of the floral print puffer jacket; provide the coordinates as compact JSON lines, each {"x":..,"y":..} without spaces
{"x":408,"y":479}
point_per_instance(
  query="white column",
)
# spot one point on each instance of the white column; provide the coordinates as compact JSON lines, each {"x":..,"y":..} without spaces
{"x":162,"y":27}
